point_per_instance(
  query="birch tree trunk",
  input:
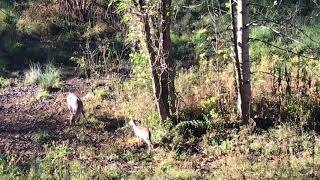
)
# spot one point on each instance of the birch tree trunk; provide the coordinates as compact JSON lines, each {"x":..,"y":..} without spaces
{"x":241,"y":52}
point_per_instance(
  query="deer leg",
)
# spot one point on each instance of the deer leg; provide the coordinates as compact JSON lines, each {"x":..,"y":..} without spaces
{"x":78,"y":114}
{"x":139,"y":142}
{"x":71,"y":119}
{"x":78,"y":119}
{"x":149,"y":148}
{"x":83,"y":113}
{"x":149,"y":145}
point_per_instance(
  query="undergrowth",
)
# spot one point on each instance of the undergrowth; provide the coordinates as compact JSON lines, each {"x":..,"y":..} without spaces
{"x":206,"y":141}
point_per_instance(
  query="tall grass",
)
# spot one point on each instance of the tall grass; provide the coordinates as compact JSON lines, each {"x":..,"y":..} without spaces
{"x":3,"y":24}
{"x":32,"y":75}
{"x":48,"y":78}
{"x":4,"y":82}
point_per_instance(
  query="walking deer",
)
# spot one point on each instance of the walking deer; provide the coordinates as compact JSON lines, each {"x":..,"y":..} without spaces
{"x":75,"y":106}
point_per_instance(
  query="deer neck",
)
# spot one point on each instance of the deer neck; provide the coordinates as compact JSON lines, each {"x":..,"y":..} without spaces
{"x":134,"y":126}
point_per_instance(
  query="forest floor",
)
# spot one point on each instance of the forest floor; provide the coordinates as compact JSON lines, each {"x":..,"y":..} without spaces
{"x":23,"y":117}
{"x":28,"y":125}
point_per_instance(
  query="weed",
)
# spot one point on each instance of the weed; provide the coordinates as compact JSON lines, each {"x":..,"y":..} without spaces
{"x":48,"y":79}
{"x":3,"y":20}
{"x":142,"y":173}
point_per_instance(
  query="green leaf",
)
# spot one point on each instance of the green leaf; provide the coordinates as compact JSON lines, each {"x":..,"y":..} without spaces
{"x":228,"y":5}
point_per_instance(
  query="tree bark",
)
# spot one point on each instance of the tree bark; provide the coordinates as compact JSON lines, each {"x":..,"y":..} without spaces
{"x":241,"y":50}
{"x":243,"y":54}
{"x":154,"y":65}
{"x":168,"y":75}
{"x":236,"y":56}
{"x":160,"y":59}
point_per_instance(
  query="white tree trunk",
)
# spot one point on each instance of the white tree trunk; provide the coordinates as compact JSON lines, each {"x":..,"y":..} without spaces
{"x":244,"y":93}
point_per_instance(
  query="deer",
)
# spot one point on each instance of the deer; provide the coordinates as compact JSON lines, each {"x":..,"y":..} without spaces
{"x":75,"y":106}
{"x":142,"y":134}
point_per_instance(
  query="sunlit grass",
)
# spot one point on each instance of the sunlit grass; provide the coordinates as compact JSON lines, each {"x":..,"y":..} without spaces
{"x":50,"y":78}
{"x":4,"y":82}
{"x":32,"y":75}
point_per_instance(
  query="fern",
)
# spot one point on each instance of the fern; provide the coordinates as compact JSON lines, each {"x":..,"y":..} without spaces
{"x":203,"y":124}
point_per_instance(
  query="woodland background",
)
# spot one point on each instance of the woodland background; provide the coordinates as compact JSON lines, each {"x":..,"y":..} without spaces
{"x":98,"y":49}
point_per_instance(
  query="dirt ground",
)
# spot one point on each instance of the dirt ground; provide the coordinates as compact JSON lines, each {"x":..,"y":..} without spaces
{"x":22,"y":116}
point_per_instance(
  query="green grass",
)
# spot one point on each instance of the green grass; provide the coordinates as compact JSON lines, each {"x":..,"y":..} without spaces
{"x":50,"y":78}
{"x":4,"y":82}
{"x":168,"y":169}
{"x":43,"y":94}
{"x":101,"y":93}
{"x":278,"y":153}
{"x":9,"y":169}
{"x":32,"y":75}
{"x":3,"y":18}
{"x":40,"y":137}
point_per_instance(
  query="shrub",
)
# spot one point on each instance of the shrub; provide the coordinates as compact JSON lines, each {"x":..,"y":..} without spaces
{"x":201,"y":124}
{"x":303,"y":111}
{"x":162,"y":133}
{"x":32,"y":76}
{"x":37,"y":19}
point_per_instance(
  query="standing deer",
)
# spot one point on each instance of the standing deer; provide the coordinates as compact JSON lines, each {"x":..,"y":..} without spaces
{"x":142,"y":134}
{"x":75,"y":106}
